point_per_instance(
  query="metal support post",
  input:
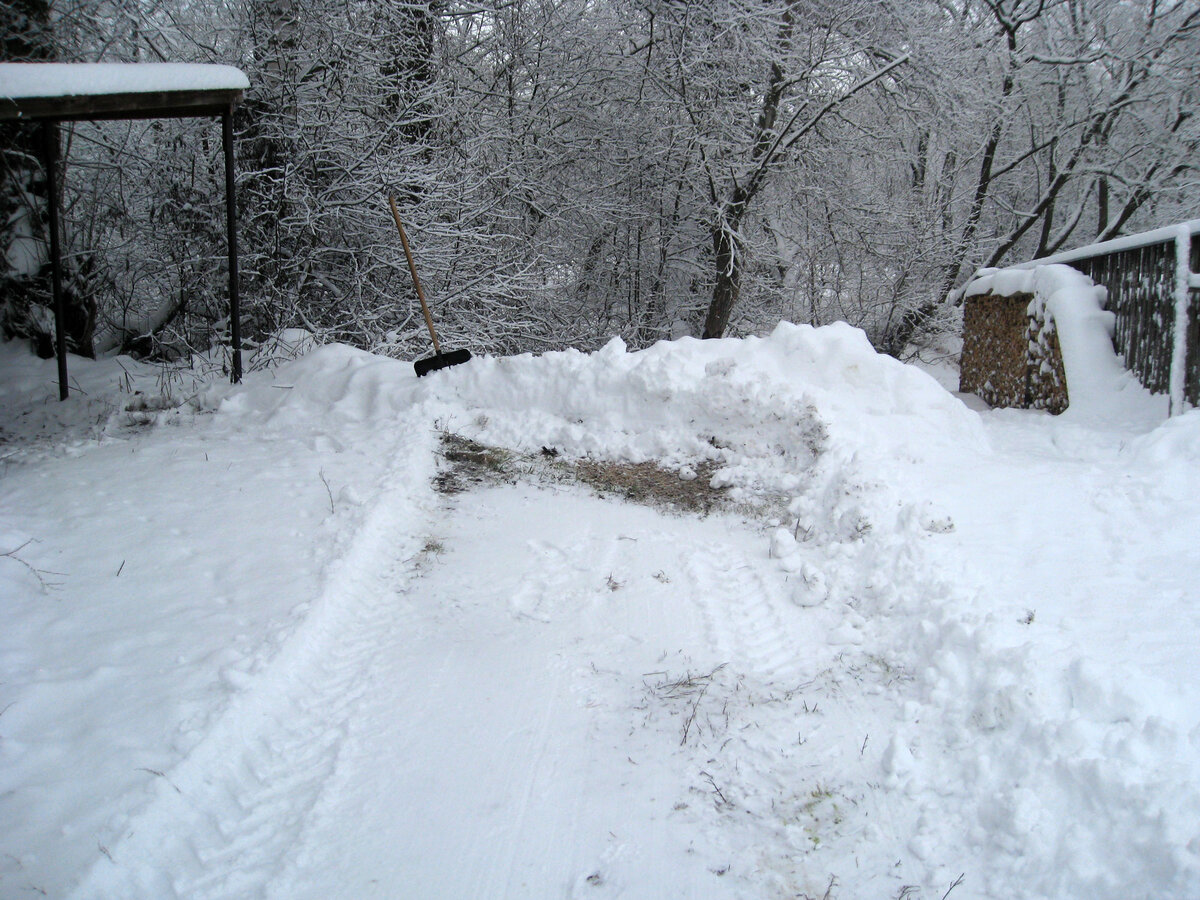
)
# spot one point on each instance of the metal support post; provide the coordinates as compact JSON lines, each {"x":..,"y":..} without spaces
{"x":235,"y":313}
{"x":50,"y":158}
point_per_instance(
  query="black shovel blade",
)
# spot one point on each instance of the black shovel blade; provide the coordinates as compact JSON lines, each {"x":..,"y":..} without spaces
{"x":441,"y":361}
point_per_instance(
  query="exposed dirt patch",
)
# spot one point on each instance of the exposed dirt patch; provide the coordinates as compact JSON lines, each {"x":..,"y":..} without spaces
{"x":469,"y":463}
{"x":650,"y":483}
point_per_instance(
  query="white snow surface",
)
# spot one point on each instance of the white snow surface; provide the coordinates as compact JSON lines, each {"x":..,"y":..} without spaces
{"x":20,"y":80}
{"x":250,"y":651}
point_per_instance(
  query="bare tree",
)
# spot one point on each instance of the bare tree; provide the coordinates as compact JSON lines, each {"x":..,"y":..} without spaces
{"x":573,"y":169}
{"x":1092,"y":126}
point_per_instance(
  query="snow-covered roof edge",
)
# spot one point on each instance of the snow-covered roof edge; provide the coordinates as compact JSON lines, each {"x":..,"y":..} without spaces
{"x":1116,"y":245}
{"x":27,"y":80}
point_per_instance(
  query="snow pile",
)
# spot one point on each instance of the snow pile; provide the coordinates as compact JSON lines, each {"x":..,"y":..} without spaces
{"x":748,"y":405}
{"x":334,"y":382}
{"x":1100,"y":388}
{"x":995,"y":749}
{"x":751,"y":405}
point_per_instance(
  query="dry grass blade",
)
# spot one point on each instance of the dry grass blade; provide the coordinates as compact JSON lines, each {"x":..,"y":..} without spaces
{"x":687,"y":686}
{"x":691,"y":689}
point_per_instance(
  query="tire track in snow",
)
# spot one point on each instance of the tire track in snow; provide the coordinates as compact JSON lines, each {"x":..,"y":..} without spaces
{"x":740,"y":607}
{"x":223,"y":819}
{"x":808,"y":715}
{"x":453,"y":752}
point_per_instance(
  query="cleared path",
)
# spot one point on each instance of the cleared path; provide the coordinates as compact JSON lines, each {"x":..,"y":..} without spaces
{"x":504,"y":747}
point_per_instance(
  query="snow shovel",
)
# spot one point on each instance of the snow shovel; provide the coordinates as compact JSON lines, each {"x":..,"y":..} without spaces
{"x":439,"y":360}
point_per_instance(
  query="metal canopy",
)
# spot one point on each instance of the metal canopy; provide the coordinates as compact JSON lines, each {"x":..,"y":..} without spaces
{"x":51,"y":93}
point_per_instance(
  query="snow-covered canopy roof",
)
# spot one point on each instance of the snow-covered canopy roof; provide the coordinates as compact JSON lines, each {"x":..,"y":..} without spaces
{"x":117,"y":90}
{"x":1116,"y":245}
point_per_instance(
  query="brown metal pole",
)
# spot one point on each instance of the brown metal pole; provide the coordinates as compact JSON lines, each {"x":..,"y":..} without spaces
{"x":50,"y":158}
{"x":235,"y":312}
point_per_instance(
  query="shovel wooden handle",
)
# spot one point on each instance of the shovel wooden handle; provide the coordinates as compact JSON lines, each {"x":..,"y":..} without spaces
{"x":417,"y":281}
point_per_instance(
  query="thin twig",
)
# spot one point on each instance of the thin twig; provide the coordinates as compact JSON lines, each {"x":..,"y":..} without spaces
{"x":717,"y":791}
{"x":687,"y":723}
{"x":39,"y":574}
{"x":328,"y":490}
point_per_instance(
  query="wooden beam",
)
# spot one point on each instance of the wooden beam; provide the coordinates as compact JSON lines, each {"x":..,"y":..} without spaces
{"x":144,"y":105}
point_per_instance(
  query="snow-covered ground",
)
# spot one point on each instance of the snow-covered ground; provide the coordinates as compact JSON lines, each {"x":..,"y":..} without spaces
{"x":249,"y":650}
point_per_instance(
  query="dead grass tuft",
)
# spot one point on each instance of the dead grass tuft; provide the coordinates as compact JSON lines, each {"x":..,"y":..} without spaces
{"x":470,"y":464}
{"x":650,"y":483}
{"x":689,"y":691}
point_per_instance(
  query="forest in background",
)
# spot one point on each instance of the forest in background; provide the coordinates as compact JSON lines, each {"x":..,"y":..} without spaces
{"x":570,"y":170}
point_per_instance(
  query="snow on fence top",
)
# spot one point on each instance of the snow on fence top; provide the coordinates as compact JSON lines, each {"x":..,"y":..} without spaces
{"x":1116,"y":245}
{"x":21,"y":80}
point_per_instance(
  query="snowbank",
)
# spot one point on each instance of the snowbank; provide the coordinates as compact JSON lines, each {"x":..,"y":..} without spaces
{"x":751,"y":405}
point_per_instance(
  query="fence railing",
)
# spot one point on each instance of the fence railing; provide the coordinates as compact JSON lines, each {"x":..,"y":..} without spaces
{"x":1154,"y":291}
